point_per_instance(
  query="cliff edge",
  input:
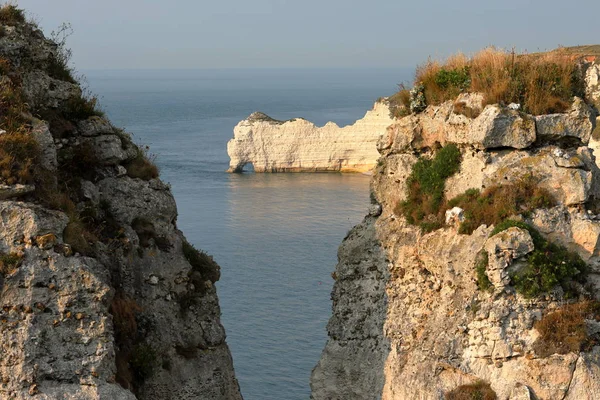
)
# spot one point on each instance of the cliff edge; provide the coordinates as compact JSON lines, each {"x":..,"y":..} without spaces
{"x":476,"y":273}
{"x":298,"y":145}
{"x":101,"y":295}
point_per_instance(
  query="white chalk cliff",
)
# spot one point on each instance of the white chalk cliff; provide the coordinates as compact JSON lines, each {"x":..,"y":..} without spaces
{"x":299,"y":145}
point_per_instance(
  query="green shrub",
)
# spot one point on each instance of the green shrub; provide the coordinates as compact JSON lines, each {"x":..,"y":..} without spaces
{"x":201,"y":262}
{"x":497,"y":203}
{"x":9,"y":263}
{"x":425,"y":188}
{"x":481,"y":263}
{"x":143,"y":362}
{"x":476,"y":391}
{"x":10,"y":14}
{"x":546,"y":267}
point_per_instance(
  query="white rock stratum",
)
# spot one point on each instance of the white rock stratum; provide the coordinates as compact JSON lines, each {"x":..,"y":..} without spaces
{"x":299,"y":145}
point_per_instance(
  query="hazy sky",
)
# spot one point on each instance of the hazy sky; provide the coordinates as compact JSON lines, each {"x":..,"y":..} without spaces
{"x":307,"y":33}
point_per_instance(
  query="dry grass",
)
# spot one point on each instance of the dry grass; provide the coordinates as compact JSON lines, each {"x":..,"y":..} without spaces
{"x":541,"y":83}
{"x":10,"y":14}
{"x":400,"y":103}
{"x":18,"y":156}
{"x":564,"y":330}
{"x":476,"y":391}
{"x":497,"y":203}
{"x":80,"y":238}
{"x":142,"y":167}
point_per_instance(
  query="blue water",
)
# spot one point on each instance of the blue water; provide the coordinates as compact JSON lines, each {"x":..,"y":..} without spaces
{"x":274,"y":235}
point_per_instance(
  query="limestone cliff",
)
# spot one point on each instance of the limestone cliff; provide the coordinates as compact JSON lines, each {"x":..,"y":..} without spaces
{"x":412,"y":319}
{"x":299,"y":146}
{"x":101,"y":296}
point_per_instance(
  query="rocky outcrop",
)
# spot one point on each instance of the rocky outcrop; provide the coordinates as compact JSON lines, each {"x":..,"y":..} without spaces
{"x":299,"y":146}
{"x":101,"y":296}
{"x":440,"y":330}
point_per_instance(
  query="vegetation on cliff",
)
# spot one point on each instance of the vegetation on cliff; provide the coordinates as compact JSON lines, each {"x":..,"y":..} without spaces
{"x":425,"y":195}
{"x":541,"y":83}
{"x":548,"y":266}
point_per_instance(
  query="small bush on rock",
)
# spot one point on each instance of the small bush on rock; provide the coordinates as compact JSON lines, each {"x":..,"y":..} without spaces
{"x":400,"y":103}
{"x":481,"y":263}
{"x":548,"y":266}
{"x":9,"y":263}
{"x":476,"y":391}
{"x":142,"y":167}
{"x":144,"y":362}
{"x":564,"y":330}
{"x":425,"y":185}
{"x":201,"y":262}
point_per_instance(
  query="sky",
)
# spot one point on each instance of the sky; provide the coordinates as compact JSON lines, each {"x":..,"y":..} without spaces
{"x":190,"y":34}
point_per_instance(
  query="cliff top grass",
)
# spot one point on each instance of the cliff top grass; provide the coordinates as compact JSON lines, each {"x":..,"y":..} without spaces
{"x":542,"y":83}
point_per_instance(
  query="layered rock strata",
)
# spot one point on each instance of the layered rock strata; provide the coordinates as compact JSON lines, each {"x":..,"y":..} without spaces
{"x":98,"y":299}
{"x":298,"y":145}
{"x":439,"y":329}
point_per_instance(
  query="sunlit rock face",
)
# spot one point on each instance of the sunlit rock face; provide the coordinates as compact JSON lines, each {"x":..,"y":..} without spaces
{"x":298,"y":145}
{"x":98,"y":295}
{"x":409,"y":320}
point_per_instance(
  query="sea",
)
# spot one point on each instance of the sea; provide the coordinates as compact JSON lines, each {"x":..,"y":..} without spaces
{"x":274,"y":235}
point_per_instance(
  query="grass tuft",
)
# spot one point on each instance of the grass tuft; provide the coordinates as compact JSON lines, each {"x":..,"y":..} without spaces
{"x":201,"y":262}
{"x":142,"y":166}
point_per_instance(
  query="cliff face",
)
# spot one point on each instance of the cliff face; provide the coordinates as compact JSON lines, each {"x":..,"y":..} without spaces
{"x":102,"y":297}
{"x":412,"y":319}
{"x":300,"y":146}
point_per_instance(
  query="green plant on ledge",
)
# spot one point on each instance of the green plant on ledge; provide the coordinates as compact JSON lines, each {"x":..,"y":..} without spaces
{"x":548,"y":266}
{"x":425,"y":188}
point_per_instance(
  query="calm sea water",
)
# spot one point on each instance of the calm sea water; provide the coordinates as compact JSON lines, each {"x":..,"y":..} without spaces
{"x":274,"y":235}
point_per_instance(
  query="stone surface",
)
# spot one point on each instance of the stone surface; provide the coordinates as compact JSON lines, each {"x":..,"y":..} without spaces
{"x":503,"y":248}
{"x":350,"y":366}
{"x":110,"y":150}
{"x":578,"y":123}
{"x":80,"y":304}
{"x":95,"y":126}
{"x":499,"y":127}
{"x":11,"y":191}
{"x":299,"y":145}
